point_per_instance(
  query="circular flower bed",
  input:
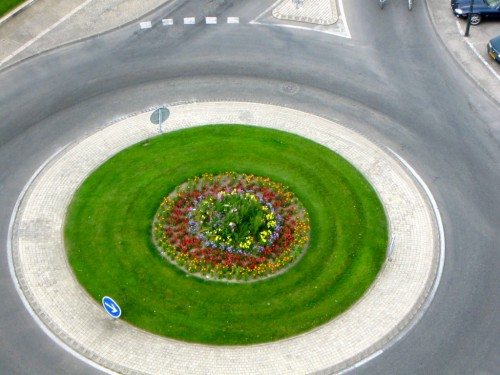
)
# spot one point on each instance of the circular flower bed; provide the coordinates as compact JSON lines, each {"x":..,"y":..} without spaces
{"x":231,"y":226}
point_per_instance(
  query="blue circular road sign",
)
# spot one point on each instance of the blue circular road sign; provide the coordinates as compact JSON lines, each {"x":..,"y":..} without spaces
{"x":111,"y":307}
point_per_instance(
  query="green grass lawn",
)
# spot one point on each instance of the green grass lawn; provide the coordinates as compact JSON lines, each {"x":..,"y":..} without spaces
{"x":8,"y":5}
{"x":108,"y":237}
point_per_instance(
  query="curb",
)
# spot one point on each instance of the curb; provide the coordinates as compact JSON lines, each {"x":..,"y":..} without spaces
{"x":17,"y":10}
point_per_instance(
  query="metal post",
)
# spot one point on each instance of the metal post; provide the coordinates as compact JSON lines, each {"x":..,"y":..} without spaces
{"x":159,"y":116}
{"x":469,"y":18}
{"x":390,"y":251}
{"x":159,"y":119}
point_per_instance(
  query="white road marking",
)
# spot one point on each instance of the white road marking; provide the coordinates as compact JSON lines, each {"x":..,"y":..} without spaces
{"x":26,"y":45}
{"x":112,"y":307}
{"x":233,"y":19}
{"x":264,"y":12}
{"x":344,"y":19}
{"x":167,"y":21}
{"x":318,"y":28}
{"x":211,"y":20}
{"x":189,"y":20}
{"x":342,"y":35}
{"x":442,"y":249}
{"x":12,"y":270}
{"x":471,"y":46}
{"x":145,"y":25}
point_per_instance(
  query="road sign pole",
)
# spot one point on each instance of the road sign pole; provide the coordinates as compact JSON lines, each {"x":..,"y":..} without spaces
{"x":159,"y":116}
{"x":159,"y":119}
{"x":469,"y":18}
{"x":390,"y":251}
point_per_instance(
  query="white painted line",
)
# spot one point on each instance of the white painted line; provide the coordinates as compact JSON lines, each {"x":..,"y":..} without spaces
{"x":346,"y":34}
{"x":471,"y":46}
{"x":442,"y":247}
{"x":233,"y":19}
{"x":189,"y":21}
{"x":369,"y":358}
{"x":211,"y":20}
{"x":344,"y":19}
{"x":145,"y":25}
{"x":12,"y":270}
{"x":488,"y":66}
{"x":342,"y":35}
{"x":26,"y":45}
{"x":439,"y":271}
{"x":167,"y":21}
{"x":264,"y":12}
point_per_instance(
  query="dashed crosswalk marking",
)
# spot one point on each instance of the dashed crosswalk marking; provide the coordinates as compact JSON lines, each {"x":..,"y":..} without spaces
{"x":188,"y":21}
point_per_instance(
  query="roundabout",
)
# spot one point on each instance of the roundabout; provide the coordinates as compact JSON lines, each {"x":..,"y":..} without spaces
{"x":41,"y":267}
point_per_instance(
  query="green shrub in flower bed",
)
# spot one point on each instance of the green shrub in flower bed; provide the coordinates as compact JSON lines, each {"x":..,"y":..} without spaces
{"x":109,"y":236}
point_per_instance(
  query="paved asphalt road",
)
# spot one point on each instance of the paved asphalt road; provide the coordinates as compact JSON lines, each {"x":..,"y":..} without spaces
{"x":391,"y":82}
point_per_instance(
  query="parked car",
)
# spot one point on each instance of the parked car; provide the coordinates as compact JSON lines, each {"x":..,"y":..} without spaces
{"x":494,"y":48}
{"x":482,"y":10}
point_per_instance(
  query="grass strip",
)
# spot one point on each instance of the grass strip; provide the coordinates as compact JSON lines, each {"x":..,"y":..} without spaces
{"x":8,"y":5}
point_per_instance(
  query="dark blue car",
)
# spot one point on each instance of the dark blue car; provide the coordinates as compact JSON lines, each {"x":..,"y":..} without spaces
{"x":482,"y":10}
{"x":494,"y":49}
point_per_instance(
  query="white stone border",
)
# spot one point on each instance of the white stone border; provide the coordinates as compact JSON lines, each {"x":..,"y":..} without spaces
{"x":45,"y":278}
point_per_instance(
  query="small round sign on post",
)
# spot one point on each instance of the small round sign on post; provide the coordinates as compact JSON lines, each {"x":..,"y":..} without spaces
{"x":111,"y":307}
{"x":159,"y":116}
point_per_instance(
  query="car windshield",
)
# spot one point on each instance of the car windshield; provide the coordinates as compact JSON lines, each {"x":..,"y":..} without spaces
{"x":492,"y":3}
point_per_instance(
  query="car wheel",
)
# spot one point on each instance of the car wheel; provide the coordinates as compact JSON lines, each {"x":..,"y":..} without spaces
{"x":475,"y":19}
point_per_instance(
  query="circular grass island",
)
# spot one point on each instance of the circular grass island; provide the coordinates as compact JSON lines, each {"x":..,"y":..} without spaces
{"x":110,"y":226}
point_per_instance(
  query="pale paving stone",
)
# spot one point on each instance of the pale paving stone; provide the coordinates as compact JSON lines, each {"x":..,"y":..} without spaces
{"x":54,"y":295}
{"x":322,"y":12}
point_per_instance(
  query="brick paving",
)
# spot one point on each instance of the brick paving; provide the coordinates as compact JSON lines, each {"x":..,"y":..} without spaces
{"x":380,"y":316}
{"x":321,"y":12}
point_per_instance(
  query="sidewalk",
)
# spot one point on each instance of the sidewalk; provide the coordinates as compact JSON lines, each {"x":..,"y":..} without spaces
{"x":46,"y":24}
{"x":469,"y":52}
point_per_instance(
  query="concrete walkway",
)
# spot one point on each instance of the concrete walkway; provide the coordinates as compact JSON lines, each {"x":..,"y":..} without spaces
{"x":40,"y":25}
{"x":395,"y":301}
